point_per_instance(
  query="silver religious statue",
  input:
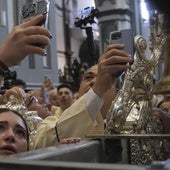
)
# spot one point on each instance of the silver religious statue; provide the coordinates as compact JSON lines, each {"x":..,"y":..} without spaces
{"x":136,"y":94}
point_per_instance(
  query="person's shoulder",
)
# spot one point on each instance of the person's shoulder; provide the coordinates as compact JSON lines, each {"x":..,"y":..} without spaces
{"x":49,"y":119}
{"x":54,"y":108}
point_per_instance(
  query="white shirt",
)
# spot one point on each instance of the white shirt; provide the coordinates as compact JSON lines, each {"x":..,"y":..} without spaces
{"x":94,"y":103}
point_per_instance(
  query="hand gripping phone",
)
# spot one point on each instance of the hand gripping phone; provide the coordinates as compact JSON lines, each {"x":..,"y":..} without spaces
{"x":35,"y":8}
{"x":125,"y":37}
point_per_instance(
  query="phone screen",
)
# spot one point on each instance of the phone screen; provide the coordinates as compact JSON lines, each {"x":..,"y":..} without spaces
{"x":125,"y":37}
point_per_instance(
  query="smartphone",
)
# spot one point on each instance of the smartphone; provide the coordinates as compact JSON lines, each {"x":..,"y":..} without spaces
{"x":35,"y":8}
{"x":31,"y":9}
{"x":125,"y":37}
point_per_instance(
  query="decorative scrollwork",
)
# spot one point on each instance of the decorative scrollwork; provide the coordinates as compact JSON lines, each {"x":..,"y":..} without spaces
{"x":138,"y":76}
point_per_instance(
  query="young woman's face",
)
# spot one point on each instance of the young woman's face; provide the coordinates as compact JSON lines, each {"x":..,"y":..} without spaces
{"x":13,"y":135}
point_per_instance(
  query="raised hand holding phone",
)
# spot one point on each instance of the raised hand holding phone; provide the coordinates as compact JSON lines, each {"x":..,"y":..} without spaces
{"x":125,"y":37}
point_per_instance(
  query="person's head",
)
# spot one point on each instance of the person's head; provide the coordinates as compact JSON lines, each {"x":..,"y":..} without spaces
{"x":88,"y":81}
{"x":53,"y":97}
{"x":37,"y":104}
{"x":14,"y":137}
{"x":19,"y":83}
{"x":65,"y":96}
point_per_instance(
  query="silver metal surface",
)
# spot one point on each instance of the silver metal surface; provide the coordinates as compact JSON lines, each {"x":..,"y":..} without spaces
{"x":84,"y":151}
{"x":85,"y":155}
{"x":9,"y":164}
{"x":137,"y":92}
{"x":129,"y":136}
{"x":89,"y":154}
{"x":138,"y":77}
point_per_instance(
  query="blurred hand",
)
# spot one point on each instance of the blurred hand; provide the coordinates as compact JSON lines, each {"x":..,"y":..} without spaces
{"x":114,"y":59}
{"x":164,"y":116}
{"x":47,"y":84}
{"x":15,"y":93}
{"x":70,"y":140}
{"x":19,"y":42}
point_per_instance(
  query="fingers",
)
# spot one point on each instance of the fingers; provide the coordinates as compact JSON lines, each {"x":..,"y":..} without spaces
{"x":15,"y":92}
{"x":115,"y":53}
{"x":32,"y":49}
{"x":36,"y":35}
{"x":34,"y":21}
{"x":114,"y":46}
{"x":32,"y":30}
{"x":70,"y":140}
{"x":114,"y":63}
{"x":34,"y":39}
{"x":162,"y":113}
{"x":113,"y":69}
{"x":116,"y":60}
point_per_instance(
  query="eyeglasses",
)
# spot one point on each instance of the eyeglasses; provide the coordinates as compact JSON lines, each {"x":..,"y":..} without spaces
{"x":32,"y":98}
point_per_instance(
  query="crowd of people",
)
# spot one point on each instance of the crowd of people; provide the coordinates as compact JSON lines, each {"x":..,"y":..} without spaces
{"x":64,"y":118}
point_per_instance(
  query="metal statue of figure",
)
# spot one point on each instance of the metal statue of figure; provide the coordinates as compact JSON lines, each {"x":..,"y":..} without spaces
{"x":33,"y":121}
{"x":31,"y":117}
{"x":138,"y":77}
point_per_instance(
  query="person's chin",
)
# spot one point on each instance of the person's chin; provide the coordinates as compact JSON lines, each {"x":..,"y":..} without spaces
{"x":5,"y":152}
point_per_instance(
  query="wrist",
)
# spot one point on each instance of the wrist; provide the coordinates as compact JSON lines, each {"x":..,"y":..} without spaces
{"x":5,"y":72}
{"x":2,"y":54}
{"x":3,"y":66}
{"x":98,"y":91}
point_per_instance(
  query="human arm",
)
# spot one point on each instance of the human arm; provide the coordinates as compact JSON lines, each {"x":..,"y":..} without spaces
{"x":74,"y":122}
{"x":164,"y":116}
{"x":20,"y":42}
{"x":46,"y":86}
{"x":47,"y":83}
{"x":14,"y":93}
{"x":78,"y":120}
{"x":70,"y":140}
{"x":114,"y":59}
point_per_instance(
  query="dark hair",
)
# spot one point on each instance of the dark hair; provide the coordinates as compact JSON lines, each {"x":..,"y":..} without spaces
{"x":17,"y":82}
{"x":65,"y":85}
{"x":2,"y":110}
